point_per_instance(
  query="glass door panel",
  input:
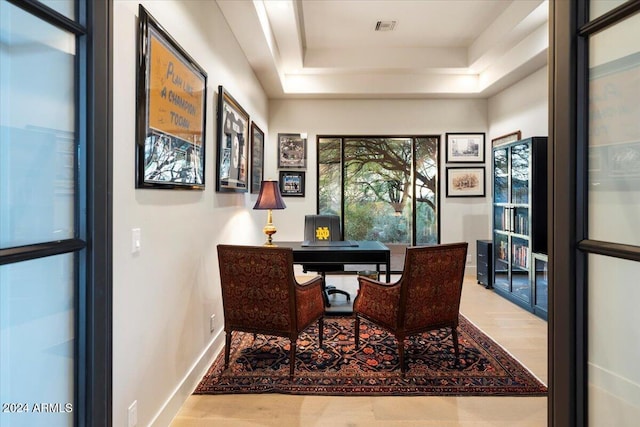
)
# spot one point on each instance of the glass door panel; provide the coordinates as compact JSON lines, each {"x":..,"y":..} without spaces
{"x":613,"y":209}
{"x":520,"y":220}
{"x":65,"y":7}
{"x":541,"y":278}
{"x":614,"y":341}
{"x":501,"y":261}
{"x":614,"y":135}
{"x":501,"y":218}
{"x":520,"y":170}
{"x":39,"y":201}
{"x":37,"y":327}
{"x":521,"y":285}
{"x":37,"y":143}
{"x":500,"y":176}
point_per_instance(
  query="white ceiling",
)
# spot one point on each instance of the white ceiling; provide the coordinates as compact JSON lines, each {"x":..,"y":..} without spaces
{"x":439,"y":48}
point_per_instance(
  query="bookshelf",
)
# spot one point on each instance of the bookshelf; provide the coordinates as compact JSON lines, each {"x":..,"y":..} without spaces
{"x":519,"y":219}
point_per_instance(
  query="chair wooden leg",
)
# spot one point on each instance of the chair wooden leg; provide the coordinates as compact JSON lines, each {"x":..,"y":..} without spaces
{"x":227,"y":349}
{"x":292,"y":357}
{"x":357,"y":332}
{"x":454,"y":337}
{"x":320,"y":331}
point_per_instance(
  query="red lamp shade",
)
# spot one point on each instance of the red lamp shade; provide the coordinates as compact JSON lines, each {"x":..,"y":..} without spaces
{"x":269,"y":197}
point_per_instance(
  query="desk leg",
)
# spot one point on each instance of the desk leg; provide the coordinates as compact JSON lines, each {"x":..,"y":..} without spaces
{"x":388,"y":265}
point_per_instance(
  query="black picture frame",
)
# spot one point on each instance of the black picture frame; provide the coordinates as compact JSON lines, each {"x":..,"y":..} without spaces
{"x":171,"y":92}
{"x":466,"y":182}
{"x":232,"y":168}
{"x":257,"y":157}
{"x":292,"y":151}
{"x":465,"y":147}
{"x":292,"y":183}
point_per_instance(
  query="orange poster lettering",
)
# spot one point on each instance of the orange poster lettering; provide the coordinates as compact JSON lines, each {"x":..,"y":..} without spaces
{"x":175,"y":95}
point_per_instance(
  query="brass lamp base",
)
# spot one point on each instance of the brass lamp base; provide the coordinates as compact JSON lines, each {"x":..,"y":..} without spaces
{"x":269,"y":230}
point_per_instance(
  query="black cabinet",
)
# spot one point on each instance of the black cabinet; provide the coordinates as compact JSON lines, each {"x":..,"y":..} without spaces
{"x":484,"y":263}
{"x":519,"y":220}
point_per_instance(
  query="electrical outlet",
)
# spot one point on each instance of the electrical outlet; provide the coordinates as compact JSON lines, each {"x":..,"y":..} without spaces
{"x":133,"y":414}
{"x":212,"y":323}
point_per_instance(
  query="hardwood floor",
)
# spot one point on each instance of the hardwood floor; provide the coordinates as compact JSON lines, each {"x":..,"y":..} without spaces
{"x":521,"y":333}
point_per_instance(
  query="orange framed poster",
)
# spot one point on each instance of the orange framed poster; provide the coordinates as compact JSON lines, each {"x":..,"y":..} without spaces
{"x":171,"y":107}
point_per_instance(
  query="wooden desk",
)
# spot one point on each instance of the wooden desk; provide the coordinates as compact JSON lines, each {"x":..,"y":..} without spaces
{"x":364,"y":252}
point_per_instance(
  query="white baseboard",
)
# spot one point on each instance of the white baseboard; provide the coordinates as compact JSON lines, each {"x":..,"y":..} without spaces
{"x":621,"y":388}
{"x":173,"y":404}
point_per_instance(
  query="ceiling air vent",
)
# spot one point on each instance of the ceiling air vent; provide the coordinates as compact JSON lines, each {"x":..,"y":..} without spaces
{"x":385,"y":25}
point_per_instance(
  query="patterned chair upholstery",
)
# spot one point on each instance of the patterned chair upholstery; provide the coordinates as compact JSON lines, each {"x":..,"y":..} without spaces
{"x":426,"y":297}
{"x":260,"y":295}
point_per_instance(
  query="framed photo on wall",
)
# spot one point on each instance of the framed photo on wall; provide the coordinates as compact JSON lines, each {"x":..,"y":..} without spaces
{"x":232,"y":170}
{"x":257,"y":157}
{"x":292,"y":183}
{"x":170,"y":114}
{"x":466,"y":182}
{"x":465,"y":147}
{"x":505,"y":139}
{"x":292,"y":151}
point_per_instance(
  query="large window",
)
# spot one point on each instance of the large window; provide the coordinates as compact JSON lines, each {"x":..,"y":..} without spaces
{"x":385,"y":188}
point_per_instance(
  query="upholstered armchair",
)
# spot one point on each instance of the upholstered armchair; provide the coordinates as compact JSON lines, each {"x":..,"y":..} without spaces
{"x":426,"y":297}
{"x":260,"y":295}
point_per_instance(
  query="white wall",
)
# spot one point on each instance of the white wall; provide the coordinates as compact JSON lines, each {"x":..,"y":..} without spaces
{"x":523,"y":106}
{"x":164,"y":296}
{"x":459,"y":217}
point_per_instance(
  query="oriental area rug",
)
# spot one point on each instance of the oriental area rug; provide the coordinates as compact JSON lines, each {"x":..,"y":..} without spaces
{"x":261,"y":365}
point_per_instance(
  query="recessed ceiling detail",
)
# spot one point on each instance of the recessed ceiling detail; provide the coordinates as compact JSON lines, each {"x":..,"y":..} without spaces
{"x":385,"y":25}
{"x":442,"y":49}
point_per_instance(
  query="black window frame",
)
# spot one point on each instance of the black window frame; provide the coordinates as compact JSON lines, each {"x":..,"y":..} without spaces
{"x":413,"y":138}
{"x":570,"y":28}
{"x":92,"y":242}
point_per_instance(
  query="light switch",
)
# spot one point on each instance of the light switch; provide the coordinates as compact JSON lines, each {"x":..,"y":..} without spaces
{"x":135,"y":240}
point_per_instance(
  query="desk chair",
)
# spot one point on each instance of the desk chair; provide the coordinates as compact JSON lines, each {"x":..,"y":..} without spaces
{"x":319,"y":228}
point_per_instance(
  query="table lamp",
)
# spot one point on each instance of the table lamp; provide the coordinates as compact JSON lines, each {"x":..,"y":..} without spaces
{"x":269,"y":198}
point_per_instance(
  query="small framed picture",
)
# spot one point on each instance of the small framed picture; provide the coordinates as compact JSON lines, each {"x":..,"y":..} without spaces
{"x":233,"y":144}
{"x":465,"y":147}
{"x":292,"y":183}
{"x":465,"y":182}
{"x":257,"y":157}
{"x":505,"y":139}
{"x":292,"y":151}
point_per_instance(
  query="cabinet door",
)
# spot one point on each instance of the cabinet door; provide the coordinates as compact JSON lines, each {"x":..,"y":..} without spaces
{"x":501,"y":176}
{"x":520,"y":259}
{"x":501,"y":262}
{"x":520,"y":173}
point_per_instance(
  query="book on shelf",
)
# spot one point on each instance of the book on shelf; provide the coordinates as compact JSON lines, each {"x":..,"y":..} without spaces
{"x":521,"y":256}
